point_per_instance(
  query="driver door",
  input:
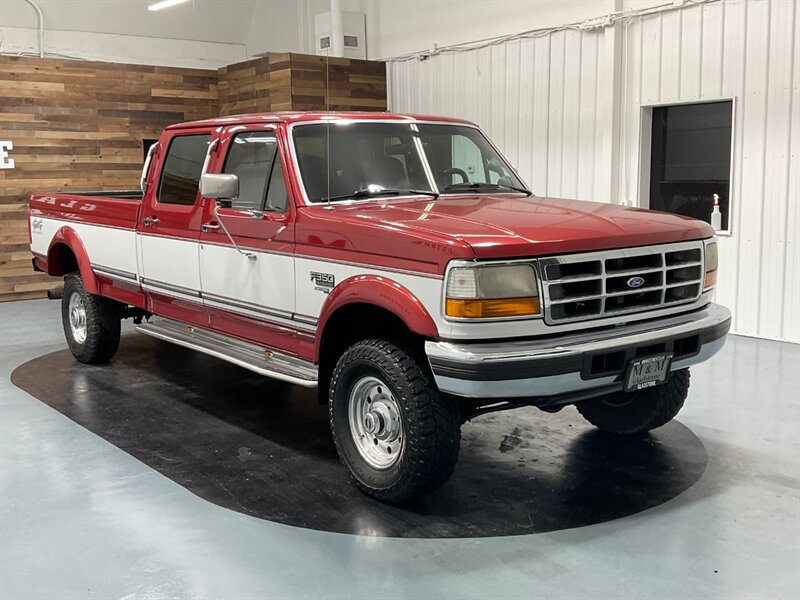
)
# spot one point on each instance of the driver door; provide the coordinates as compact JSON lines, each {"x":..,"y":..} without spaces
{"x":247,"y":278}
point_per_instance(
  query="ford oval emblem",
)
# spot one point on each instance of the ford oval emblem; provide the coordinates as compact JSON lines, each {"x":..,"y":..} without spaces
{"x":635,"y":282}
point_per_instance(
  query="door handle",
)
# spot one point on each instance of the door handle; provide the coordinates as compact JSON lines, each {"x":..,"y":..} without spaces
{"x":212,"y":226}
{"x":148,"y":221}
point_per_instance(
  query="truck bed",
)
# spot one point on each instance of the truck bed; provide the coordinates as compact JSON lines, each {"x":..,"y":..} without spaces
{"x":119,"y":195}
{"x":107,"y":208}
{"x":98,"y":228}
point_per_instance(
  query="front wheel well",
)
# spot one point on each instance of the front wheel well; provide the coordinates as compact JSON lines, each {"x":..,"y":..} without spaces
{"x":355,"y":322}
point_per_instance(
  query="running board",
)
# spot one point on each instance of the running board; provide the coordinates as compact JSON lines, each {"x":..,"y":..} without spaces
{"x":252,"y":357}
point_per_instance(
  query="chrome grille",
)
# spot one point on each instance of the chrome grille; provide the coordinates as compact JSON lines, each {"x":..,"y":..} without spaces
{"x":593,"y":285}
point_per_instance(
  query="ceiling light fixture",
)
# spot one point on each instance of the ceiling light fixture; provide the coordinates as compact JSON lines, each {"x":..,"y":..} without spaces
{"x":165,"y":4}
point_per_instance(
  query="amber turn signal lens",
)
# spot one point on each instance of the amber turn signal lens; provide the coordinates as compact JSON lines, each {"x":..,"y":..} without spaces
{"x":711,"y":279}
{"x":485,"y":309}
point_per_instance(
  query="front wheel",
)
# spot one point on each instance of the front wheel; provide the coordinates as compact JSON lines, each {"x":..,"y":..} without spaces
{"x":398,"y":438}
{"x":91,"y":323}
{"x":630,"y":413}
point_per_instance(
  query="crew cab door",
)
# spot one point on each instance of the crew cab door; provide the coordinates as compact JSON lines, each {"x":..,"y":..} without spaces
{"x":169,"y":228}
{"x":247,"y":273}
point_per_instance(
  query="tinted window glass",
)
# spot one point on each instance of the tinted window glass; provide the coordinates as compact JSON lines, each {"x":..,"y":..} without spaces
{"x":361,"y":155}
{"x":690,"y":159}
{"x":250,"y":157}
{"x":180,"y":178}
{"x":461,"y":155}
{"x":277,"y":197}
{"x":339,"y":159}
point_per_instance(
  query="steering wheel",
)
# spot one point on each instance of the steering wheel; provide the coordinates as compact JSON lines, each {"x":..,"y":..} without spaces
{"x":453,"y":171}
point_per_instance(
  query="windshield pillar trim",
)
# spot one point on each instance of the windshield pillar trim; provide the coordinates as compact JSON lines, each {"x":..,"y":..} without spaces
{"x":426,"y":166}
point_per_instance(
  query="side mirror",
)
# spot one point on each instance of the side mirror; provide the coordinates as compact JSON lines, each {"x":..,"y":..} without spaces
{"x":219,"y":186}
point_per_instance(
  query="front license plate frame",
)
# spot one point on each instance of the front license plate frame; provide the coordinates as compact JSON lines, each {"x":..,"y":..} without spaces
{"x":646,"y":372}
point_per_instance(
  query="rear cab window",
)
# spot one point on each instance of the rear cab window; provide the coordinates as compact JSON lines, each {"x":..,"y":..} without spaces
{"x":183,"y":165}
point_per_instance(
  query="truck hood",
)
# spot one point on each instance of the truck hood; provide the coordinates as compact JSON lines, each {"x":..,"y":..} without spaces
{"x":509,"y":226}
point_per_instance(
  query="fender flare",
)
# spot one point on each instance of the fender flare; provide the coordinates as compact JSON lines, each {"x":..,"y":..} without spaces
{"x":378,"y":291}
{"x":67,"y":237}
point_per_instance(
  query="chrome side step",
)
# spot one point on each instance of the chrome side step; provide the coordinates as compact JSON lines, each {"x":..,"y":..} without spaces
{"x":250,"y":356}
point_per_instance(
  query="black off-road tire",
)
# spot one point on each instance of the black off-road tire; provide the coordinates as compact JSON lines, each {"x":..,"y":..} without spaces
{"x":629,"y":413}
{"x":431,"y":422}
{"x":103,"y":323}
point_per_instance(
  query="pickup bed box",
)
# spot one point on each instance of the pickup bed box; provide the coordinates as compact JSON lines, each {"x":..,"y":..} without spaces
{"x":399,"y":264}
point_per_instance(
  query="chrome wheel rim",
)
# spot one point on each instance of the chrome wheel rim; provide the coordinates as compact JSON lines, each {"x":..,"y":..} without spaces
{"x":77,"y":318}
{"x":375,"y":423}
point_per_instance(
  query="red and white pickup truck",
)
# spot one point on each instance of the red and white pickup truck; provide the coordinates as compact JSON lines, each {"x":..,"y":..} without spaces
{"x":400,"y":264}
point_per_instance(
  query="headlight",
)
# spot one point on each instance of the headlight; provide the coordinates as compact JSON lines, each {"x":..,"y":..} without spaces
{"x":491,"y":292}
{"x":712,"y":262}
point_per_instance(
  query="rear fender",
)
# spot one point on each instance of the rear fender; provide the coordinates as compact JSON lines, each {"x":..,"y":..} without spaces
{"x":67,"y":237}
{"x":382,"y":292}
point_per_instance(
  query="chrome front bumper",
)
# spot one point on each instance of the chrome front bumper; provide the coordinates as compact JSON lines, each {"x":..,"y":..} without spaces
{"x":575,"y":363}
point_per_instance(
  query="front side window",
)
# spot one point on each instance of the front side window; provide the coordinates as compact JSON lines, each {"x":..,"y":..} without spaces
{"x":180,"y":178}
{"x":253,"y":157}
{"x":363,"y":159}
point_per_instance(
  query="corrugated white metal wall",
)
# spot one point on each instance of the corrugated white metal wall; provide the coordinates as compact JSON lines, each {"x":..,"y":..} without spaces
{"x":537,"y":98}
{"x":566,"y":109}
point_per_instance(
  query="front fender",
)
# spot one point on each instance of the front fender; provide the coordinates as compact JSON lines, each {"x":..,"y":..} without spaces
{"x":383,"y":292}
{"x":67,"y":237}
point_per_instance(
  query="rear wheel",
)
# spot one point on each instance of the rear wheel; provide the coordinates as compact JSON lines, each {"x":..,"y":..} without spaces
{"x":637,"y":412}
{"x":398,"y":438}
{"x":91,"y":323}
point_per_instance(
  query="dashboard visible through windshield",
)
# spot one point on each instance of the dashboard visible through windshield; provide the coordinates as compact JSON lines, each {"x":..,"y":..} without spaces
{"x":362,"y":159}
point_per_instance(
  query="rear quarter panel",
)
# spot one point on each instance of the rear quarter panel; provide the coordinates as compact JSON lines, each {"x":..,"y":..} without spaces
{"x":105,"y":227}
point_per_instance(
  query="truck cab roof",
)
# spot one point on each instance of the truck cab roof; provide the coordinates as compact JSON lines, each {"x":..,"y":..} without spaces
{"x":289,"y":117}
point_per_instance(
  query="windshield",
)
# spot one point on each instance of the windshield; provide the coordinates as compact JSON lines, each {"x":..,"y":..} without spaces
{"x":379,"y":159}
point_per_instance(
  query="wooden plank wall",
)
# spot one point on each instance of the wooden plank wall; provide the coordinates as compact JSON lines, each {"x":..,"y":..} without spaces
{"x":297,"y":82}
{"x":79,"y":126}
{"x":259,"y":85}
{"x":353,"y":84}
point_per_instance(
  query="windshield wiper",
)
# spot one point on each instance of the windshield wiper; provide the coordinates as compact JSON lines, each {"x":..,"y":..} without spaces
{"x":374,"y":193}
{"x":454,"y":187}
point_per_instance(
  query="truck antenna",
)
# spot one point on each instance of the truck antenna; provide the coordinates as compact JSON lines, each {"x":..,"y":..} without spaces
{"x":328,"y":128}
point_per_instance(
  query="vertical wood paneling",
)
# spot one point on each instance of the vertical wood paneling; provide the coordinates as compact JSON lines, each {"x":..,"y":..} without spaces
{"x":547,"y":118}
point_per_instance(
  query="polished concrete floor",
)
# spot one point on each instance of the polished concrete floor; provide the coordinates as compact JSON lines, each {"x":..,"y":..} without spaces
{"x":80,"y":518}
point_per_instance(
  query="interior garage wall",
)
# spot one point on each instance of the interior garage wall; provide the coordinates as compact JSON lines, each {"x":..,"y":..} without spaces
{"x":114,"y":47}
{"x":539,"y":99}
{"x":566,"y":108}
{"x":79,"y":126}
{"x":292,"y":81}
{"x":748,"y":50}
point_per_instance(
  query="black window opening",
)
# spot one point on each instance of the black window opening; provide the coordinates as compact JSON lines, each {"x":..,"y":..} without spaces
{"x":180,"y":178}
{"x":690,"y":159}
{"x":146,"y":144}
{"x":254,"y":158}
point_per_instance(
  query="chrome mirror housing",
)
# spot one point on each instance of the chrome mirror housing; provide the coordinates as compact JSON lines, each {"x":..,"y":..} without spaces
{"x":219,"y":186}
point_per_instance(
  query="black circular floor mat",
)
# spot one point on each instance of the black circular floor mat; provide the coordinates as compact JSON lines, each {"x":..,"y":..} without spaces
{"x":263,"y":448}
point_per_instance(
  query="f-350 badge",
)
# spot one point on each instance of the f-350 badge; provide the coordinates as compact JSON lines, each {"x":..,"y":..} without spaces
{"x":323,"y":282}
